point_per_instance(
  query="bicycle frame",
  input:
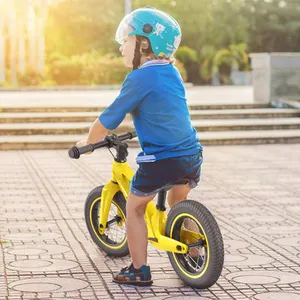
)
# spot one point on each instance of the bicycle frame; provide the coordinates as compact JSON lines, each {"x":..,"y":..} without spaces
{"x":122,"y":175}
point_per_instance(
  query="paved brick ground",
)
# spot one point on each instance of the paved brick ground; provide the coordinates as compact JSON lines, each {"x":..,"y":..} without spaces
{"x":254,"y":192}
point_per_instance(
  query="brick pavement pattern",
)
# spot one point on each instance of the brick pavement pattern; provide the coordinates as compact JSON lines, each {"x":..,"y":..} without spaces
{"x":47,"y":253}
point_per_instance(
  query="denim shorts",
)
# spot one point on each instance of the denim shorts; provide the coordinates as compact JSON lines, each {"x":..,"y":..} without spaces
{"x":151,"y":177}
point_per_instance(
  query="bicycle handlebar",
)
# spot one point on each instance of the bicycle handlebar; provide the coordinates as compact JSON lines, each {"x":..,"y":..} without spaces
{"x":75,"y":152}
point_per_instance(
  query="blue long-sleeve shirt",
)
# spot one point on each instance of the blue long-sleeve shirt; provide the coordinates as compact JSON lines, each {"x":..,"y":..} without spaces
{"x":155,"y":96}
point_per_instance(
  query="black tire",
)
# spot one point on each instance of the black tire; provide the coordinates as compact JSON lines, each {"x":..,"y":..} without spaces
{"x":212,"y":263}
{"x":91,"y":212}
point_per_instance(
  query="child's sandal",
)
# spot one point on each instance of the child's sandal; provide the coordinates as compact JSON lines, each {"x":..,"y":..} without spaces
{"x":133,"y":276}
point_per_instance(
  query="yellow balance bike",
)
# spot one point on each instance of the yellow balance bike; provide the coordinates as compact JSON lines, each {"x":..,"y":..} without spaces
{"x":189,"y":233}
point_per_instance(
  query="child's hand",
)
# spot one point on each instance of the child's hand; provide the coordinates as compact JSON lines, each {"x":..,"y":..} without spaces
{"x":81,"y":143}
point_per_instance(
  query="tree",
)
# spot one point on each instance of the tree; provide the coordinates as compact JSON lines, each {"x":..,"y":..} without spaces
{"x":77,"y":26}
{"x":274,"y":25}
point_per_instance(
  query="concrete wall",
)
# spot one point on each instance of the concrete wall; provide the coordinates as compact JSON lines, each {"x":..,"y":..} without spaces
{"x":276,"y":76}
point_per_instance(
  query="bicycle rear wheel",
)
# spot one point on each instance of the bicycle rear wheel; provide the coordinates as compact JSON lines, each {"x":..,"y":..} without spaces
{"x":192,"y":223}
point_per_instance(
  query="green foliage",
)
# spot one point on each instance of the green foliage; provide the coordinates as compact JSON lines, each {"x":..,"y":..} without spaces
{"x":179,"y":65}
{"x":273,"y":26}
{"x":223,"y":63}
{"x":48,"y":82}
{"x":106,"y":70}
{"x":66,"y":71}
{"x":5,"y":84}
{"x":30,"y":78}
{"x":55,"y":56}
{"x":186,"y":55}
{"x":91,"y":69}
{"x":235,"y":56}
{"x":88,"y":69}
{"x":76,"y":27}
{"x":207,"y":56}
{"x":240,"y":55}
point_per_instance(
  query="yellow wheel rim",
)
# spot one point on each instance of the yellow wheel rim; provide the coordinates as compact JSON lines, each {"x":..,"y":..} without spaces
{"x":207,"y":245}
{"x":96,"y":231}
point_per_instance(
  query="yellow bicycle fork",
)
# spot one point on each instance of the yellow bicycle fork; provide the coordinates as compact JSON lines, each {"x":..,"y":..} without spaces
{"x":155,"y":216}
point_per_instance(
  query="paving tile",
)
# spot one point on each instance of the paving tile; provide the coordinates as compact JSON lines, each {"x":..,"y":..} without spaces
{"x":49,"y":254}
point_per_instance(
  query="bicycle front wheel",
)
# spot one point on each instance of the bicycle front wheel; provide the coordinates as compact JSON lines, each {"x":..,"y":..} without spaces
{"x":114,"y":240}
{"x":192,"y":223}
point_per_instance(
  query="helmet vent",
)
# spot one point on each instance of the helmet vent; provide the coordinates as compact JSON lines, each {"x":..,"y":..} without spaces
{"x":147,"y":28}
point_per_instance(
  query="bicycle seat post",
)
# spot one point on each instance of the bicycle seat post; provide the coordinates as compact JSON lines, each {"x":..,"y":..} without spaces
{"x":162,"y":195}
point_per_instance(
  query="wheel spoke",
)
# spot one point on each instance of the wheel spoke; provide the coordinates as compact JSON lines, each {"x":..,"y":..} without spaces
{"x":114,"y":233}
{"x":194,"y":261}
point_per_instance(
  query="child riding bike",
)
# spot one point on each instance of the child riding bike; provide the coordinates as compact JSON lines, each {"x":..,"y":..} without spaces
{"x":154,"y":94}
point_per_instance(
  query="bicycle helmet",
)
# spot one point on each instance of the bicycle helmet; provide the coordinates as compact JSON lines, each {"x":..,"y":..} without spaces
{"x":161,"y":29}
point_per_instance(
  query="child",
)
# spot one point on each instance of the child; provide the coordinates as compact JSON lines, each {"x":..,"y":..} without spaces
{"x":154,"y":93}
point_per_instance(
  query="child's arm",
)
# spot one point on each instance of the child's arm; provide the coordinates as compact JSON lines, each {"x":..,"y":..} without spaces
{"x":97,"y":133}
{"x":129,"y":98}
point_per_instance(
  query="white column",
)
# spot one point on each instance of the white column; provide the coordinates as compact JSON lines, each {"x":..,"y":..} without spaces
{"x":276,"y":77}
{"x":41,"y":18}
{"x":13,"y":47}
{"x":32,"y":37}
{"x":22,"y":7}
{"x":21,"y":45}
{"x":6,"y":8}
{"x":2,"y":52}
{"x":128,"y":7}
{"x":41,"y":47}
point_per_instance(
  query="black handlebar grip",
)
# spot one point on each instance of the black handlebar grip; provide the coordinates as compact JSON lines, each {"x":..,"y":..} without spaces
{"x":75,"y":152}
{"x":133,"y":134}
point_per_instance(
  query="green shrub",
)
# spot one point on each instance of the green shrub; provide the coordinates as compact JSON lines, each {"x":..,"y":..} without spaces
{"x":181,"y":69}
{"x":4,"y":84}
{"x":233,"y":57}
{"x":55,"y":56}
{"x":106,"y":70}
{"x":207,"y":68}
{"x":189,"y":59}
{"x":186,"y":55}
{"x":90,"y":69}
{"x":31,"y":77}
{"x":48,"y":83}
{"x":224,"y":61}
{"x":239,"y":52}
{"x":66,"y":71}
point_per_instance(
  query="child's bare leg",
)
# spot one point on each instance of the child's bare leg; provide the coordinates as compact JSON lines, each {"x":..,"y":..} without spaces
{"x":137,"y":232}
{"x":179,"y":193}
